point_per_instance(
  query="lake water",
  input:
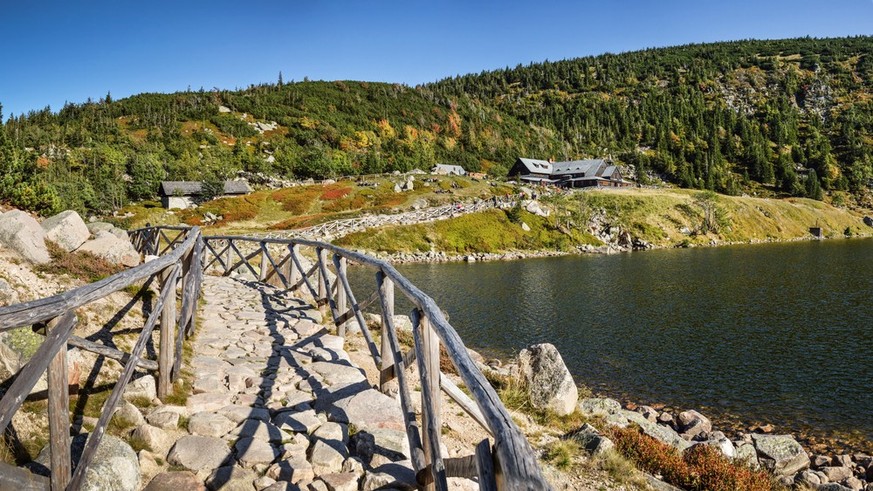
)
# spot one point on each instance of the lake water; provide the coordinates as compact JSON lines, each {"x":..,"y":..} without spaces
{"x":767,"y":333}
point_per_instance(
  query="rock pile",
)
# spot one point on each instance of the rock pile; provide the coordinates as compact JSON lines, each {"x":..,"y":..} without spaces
{"x":780,"y":454}
{"x":27,"y":237}
{"x":613,"y":235}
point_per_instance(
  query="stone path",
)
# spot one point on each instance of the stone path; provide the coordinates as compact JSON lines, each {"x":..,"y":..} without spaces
{"x":338,"y":228}
{"x":277,"y":405}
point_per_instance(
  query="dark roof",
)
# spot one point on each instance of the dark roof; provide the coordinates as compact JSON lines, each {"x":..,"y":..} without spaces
{"x":194,"y":188}
{"x":588,"y":167}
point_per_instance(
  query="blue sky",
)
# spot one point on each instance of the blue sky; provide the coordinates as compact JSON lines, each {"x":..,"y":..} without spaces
{"x":57,"y":51}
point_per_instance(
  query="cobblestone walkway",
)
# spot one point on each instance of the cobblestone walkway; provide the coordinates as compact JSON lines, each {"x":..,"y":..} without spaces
{"x":277,"y":404}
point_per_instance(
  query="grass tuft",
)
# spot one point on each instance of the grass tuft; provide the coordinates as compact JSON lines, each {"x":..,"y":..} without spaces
{"x":562,"y":453}
{"x":80,"y":265}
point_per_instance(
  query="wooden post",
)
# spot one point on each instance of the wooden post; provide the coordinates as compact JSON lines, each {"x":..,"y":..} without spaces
{"x":321,"y":301}
{"x":187,"y":278}
{"x":262,"y":274}
{"x":341,"y":297}
{"x":427,"y":345}
{"x":228,"y":263}
{"x":485,"y":466}
{"x":294,"y":274}
{"x":386,"y":289}
{"x":59,"y":416}
{"x":168,"y":323}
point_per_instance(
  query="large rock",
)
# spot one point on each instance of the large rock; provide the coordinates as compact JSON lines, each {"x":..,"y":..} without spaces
{"x":396,"y":475}
{"x":22,"y":233}
{"x":597,"y":406}
{"x":592,"y":440}
{"x":115,"y":466}
{"x":66,"y":229}
{"x":692,"y":423}
{"x":656,"y":431}
{"x":141,"y":388}
{"x":109,"y":247}
{"x":209,"y":424}
{"x":781,"y":454}
{"x":231,"y":478}
{"x":200,"y":453}
{"x":8,"y":295}
{"x":535,"y":208}
{"x":837,"y":473}
{"x":175,"y":481}
{"x":327,"y":456}
{"x":367,"y":410}
{"x":549,"y":383}
{"x":250,"y":452}
{"x":153,"y":438}
{"x":718,"y":441}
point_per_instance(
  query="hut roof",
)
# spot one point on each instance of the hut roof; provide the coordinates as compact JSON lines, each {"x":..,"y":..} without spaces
{"x":195,"y":188}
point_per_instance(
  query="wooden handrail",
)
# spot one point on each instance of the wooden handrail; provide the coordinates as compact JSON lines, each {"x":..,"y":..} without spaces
{"x":509,"y":463}
{"x":514,"y":462}
{"x":47,"y":308}
{"x":183,"y":262}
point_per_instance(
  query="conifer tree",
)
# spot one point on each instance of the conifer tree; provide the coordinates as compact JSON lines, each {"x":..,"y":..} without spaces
{"x":813,"y":188}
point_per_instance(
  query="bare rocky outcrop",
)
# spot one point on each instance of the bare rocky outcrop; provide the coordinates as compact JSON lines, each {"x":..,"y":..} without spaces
{"x":781,"y":454}
{"x":108,"y":246}
{"x":23,"y":234}
{"x":66,"y":229}
{"x":549,"y":383}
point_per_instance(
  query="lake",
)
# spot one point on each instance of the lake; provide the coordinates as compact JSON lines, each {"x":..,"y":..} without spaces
{"x":777,"y":333}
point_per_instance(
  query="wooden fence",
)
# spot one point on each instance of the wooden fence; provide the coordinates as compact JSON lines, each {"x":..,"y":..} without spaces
{"x":506,"y":461}
{"x":179,"y":268}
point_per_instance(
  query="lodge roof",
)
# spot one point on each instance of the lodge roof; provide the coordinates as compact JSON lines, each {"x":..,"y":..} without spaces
{"x":195,"y":188}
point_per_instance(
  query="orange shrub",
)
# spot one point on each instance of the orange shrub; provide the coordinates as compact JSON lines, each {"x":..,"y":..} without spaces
{"x":300,"y":222}
{"x":344,"y":204}
{"x":297,"y":200}
{"x":702,"y":468}
{"x":335,"y":191}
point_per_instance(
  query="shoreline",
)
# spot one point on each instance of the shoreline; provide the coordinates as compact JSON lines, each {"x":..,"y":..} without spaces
{"x":433,"y":257}
{"x":828,"y":456}
{"x":815,"y":441}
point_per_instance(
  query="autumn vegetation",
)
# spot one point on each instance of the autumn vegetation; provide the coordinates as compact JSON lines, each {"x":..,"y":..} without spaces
{"x":770,"y":118}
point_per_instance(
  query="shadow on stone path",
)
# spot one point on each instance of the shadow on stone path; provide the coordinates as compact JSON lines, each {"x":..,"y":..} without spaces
{"x":277,"y":404}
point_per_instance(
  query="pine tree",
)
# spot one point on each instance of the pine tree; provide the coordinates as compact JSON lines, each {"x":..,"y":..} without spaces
{"x":813,"y":188}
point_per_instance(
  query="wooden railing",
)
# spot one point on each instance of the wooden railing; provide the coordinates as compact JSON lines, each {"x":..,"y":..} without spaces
{"x":179,"y":266}
{"x":507,"y":461}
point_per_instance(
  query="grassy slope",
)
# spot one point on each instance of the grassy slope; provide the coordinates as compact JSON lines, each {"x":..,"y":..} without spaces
{"x":303,"y":206}
{"x":489,"y":231}
{"x":657,"y":216}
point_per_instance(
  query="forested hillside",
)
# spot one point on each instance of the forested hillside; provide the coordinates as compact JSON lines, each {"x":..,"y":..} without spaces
{"x":789,"y":117}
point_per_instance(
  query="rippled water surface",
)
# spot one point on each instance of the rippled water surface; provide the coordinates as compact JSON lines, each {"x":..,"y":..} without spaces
{"x":778,"y":333}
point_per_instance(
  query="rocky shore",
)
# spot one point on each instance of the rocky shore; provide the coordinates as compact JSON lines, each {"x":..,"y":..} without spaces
{"x":611,"y":248}
{"x":546,"y":378}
